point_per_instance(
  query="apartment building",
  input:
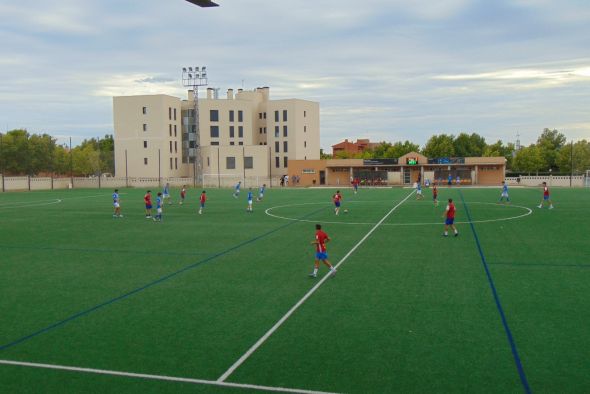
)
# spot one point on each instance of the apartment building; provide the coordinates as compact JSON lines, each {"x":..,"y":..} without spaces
{"x":240,"y":135}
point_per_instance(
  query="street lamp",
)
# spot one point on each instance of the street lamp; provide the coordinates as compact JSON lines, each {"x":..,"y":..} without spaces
{"x":194,"y":79}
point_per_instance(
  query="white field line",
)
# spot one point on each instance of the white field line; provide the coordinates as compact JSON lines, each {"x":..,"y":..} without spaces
{"x":263,"y":339}
{"x":160,"y":377}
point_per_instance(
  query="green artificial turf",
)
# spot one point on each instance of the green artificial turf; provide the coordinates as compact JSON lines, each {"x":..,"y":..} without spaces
{"x":408,"y":311}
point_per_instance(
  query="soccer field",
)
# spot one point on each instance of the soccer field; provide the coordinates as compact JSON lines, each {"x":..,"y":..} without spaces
{"x":222,"y":302}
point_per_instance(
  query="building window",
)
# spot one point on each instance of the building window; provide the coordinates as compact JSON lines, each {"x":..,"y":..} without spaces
{"x":176,"y":163}
{"x":214,"y":115}
{"x":145,"y":161}
{"x":265,"y":130}
{"x":277,"y":162}
{"x":305,"y":129}
{"x":170,"y":146}
{"x":240,"y":143}
{"x":208,"y":162}
{"x":176,"y":147}
{"x":214,"y":131}
{"x":170,"y":130}
{"x":260,"y":115}
{"x":214,"y":142}
{"x":276,"y":146}
{"x":284,"y":116}
{"x":144,"y":127}
{"x":264,"y":115}
{"x":260,"y":130}
{"x":145,"y":144}
{"x":170,"y":115}
{"x":240,"y":131}
{"x":174,"y":113}
{"x":285,"y":161}
{"x":277,"y":116}
{"x":304,"y":114}
{"x":240,"y":116}
{"x":230,"y":163}
{"x":284,"y":131}
{"x":248,"y":162}
{"x":232,"y":143}
{"x":144,"y":110}
{"x":305,"y":144}
{"x":175,"y":130}
{"x":276,"y":131}
{"x":231,"y":115}
{"x":285,"y":146}
{"x":231,"y":132}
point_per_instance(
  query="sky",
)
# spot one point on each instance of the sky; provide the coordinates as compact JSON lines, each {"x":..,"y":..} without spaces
{"x":387,"y":70}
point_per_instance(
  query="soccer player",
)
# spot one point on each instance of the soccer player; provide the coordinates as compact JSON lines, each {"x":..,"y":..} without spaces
{"x":249,"y":208}
{"x":321,"y":239}
{"x":546,"y":197}
{"x":237,"y":189}
{"x":261,"y":192}
{"x":450,"y":218}
{"x":355,"y":185}
{"x":147,"y":199}
{"x":450,"y":180}
{"x":166,"y":193}
{"x":116,"y":205}
{"x":419,"y":195}
{"x":337,"y":198}
{"x":458,"y":180}
{"x":504,"y":193}
{"x":159,"y":204}
{"x":182,"y":194}
{"x":435,"y":194}
{"x":202,"y":200}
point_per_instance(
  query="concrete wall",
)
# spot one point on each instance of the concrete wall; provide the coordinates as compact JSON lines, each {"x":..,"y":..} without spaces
{"x":577,"y":180}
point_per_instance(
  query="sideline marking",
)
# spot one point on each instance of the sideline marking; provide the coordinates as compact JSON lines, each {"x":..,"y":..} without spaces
{"x":159,"y":377}
{"x":27,"y":204}
{"x":515,"y":355}
{"x":144,"y":287}
{"x":527,"y":213}
{"x":278,"y":324}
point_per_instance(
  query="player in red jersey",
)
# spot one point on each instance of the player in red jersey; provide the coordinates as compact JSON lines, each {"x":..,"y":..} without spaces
{"x":202,"y":200}
{"x":546,"y":197}
{"x":147,"y":199}
{"x":182,"y":194}
{"x":450,"y":218}
{"x":321,"y":239}
{"x":337,"y":198}
{"x":435,"y":194}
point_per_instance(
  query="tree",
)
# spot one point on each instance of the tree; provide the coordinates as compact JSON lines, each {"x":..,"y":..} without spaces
{"x":499,"y":149}
{"x":85,"y":160}
{"x":401,"y":148}
{"x":439,"y":146}
{"x":580,"y":156}
{"x":529,"y":159}
{"x":469,"y":145}
{"x":550,"y":142}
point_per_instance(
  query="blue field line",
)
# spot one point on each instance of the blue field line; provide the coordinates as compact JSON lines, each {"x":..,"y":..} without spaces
{"x":90,"y":250}
{"x":151,"y":284}
{"x":517,"y":360}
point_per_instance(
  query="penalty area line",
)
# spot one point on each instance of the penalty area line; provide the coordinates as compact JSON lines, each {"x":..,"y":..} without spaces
{"x":282,"y":320}
{"x":159,"y":377}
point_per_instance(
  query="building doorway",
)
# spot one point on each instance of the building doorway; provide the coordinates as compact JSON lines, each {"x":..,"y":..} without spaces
{"x":407,"y":176}
{"x":322,"y":177}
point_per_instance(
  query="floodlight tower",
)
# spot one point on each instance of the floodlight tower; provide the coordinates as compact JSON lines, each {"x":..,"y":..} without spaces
{"x":194,"y":78}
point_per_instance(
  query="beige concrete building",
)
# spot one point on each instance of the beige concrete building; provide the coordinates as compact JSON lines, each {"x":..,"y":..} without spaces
{"x":242,"y":135}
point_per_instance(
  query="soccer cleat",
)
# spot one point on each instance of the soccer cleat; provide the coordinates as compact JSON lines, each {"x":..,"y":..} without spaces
{"x":333,"y":272}
{"x":445,"y":235}
{"x":550,"y":206}
{"x":539,"y":206}
{"x":312,"y":275}
{"x":456,"y":234}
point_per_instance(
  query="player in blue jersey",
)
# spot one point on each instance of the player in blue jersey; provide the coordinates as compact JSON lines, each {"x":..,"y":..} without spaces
{"x":166,"y":194}
{"x":419,"y":195}
{"x":261,"y":190}
{"x":250,"y":197}
{"x":116,"y":205}
{"x":504,"y":193}
{"x":237,"y":189}
{"x":159,"y":204}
